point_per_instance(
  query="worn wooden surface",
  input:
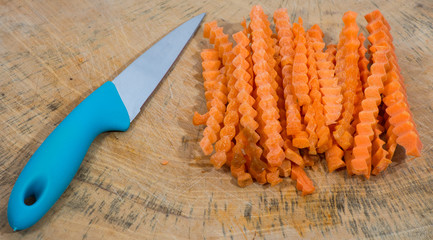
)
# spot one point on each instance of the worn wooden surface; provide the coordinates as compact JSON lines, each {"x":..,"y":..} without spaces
{"x":54,"y":54}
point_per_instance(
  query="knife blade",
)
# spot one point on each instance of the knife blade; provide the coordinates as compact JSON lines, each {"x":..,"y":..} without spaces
{"x":111,"y":107}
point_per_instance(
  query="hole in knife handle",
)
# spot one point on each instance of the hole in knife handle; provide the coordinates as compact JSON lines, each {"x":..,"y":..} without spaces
{"x":30,"y":200}
{"x":34,"y":191}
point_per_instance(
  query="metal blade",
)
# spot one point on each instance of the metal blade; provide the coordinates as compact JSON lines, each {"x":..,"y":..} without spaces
{"x":142,"y":76}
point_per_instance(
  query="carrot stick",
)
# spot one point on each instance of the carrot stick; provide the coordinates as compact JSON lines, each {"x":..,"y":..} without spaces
{"x":395,"y":97}
{"x":316,"y":64}
{"x":293,"y":119}
{"x":247,"y":138}
{"x":334,"y":157}
{"x":299,"y":84}
{"x":268,"y":113}
{"x":347,"y":72}
{"x":362,"y":150}
{"x":379,"y":155}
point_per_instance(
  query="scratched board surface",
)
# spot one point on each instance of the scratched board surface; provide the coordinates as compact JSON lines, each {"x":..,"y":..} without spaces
{"x":54,"y":54}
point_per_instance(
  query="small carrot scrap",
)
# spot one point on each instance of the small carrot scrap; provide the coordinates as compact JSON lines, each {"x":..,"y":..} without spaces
{"x":165,"y":162}
{"x":303,"y":182}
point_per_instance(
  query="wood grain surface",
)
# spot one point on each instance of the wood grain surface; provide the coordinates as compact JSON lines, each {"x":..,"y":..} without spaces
{"x":53,"y":54}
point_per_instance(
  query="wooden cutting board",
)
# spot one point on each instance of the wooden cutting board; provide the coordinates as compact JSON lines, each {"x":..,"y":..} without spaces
{"x":54,"y":54}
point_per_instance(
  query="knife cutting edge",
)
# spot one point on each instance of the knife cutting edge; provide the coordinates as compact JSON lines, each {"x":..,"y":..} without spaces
{"x":111,"y":107}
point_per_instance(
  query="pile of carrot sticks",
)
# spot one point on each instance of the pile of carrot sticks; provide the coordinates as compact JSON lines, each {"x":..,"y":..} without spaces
{"x":278,"y":102}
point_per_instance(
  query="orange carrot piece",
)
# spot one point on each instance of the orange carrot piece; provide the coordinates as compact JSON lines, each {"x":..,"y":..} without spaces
{"x":247,"y":138}
{"x":244,"y":179}
{"x":316,"y":60}
{"x":362,"y":150}
{"x":347,"y":72}
{"x":268,"y":112}
{"x":395,"y":97}
{"x":299,"y":75}
{"x":285,"y":168}
{"x":379,"y":160}
{"x":334,"y":157}
{"x":273,"y":177}
{"x":303,"y":182}
{"x":165,"y":162}
{"x":215,"y":88}
{"x":231,"y":118}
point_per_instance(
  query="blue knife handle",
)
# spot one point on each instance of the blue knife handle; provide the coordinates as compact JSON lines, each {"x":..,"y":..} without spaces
{"x":52,"y":167}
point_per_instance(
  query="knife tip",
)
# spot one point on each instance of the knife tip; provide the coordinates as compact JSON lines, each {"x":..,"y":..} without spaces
{"x":202,"y":15}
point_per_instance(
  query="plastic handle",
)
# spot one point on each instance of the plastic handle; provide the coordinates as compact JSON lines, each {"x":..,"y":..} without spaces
{"x":52,"y":167}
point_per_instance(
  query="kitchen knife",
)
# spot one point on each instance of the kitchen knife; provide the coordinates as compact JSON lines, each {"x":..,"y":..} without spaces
{"x":111,"y":107}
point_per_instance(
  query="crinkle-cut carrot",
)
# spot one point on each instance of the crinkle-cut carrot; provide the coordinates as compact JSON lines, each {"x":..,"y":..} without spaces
{"x":227,"y":133}
{"x":316,"y":60}
{"x":363,"y":61}
{"x":329,"y":88}
{"x":286,"y":42}
{"x":247,"y":31}
{"x":247,"y":138}
{"x":379,"y":32}
{"x":376,"y":20}
{"x":239,"y":162}
{"x":300,"y":69}
{"x":207,"y":27}
{"x":303,"y":182}
{"x":214,"y":120}
{"x":217,"y":37}
{"x":314,"y":94}
{"x":211,"y":65}
{"x":395,"y":97}
{"x":331,"y":50}
{"x":268,"y":112}
{"x":362,"y":150}
{"x":348,"y":77}
{"x":286,"y":53}
{"x":379,"y":160}
{"x":334,"y":158}
{"x":215,"y":91}
{"x":362,"y":82}
{"x":298,"y":90}
{"x":231,"y":119}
